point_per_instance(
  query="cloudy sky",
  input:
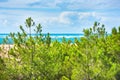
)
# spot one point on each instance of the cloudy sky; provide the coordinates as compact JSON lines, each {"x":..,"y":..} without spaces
{"x":59,"y":16}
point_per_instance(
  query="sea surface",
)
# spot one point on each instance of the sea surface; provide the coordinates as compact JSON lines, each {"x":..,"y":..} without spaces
{"x":54,"y":37}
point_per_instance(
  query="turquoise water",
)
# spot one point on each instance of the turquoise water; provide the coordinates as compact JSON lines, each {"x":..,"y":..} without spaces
{"x":54,"y":37}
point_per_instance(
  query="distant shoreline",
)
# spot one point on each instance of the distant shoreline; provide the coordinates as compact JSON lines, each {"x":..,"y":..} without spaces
{"x":54,"y":37}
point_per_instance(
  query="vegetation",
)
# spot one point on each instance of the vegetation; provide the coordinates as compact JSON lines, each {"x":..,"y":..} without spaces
{"x":96,"y":56}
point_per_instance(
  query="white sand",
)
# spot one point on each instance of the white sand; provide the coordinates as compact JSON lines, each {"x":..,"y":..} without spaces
{"x":4,"y":49}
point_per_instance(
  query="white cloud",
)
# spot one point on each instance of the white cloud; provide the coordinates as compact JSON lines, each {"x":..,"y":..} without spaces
{"x":79,"y":17}
{"x":5,"y":22}
{"x":55,"y":20}
{"x":17,"y":3}
{"x":70,"y":17}
{"x":64,"y":17}
{"x":63,"y":4}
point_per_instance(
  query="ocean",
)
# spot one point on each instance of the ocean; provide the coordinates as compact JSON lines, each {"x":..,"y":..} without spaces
{"x":54,"y":37}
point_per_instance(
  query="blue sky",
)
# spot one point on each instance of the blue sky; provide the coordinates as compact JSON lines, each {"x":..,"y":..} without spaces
{"x":59,"y":16}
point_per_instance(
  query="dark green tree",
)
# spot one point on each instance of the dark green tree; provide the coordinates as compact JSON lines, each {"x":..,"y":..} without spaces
{"x":29,"y":23}
{"x":114,"y":31}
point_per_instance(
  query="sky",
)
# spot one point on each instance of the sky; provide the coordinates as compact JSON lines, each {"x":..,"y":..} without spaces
{"x":59,"y":16}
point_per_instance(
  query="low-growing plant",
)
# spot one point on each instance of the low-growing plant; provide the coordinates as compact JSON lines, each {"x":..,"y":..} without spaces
{"x":96,"y":56}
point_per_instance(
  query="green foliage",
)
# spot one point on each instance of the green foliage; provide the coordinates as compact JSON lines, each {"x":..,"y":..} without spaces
{"x":94,"y":57}
{"x":114,"y":31}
